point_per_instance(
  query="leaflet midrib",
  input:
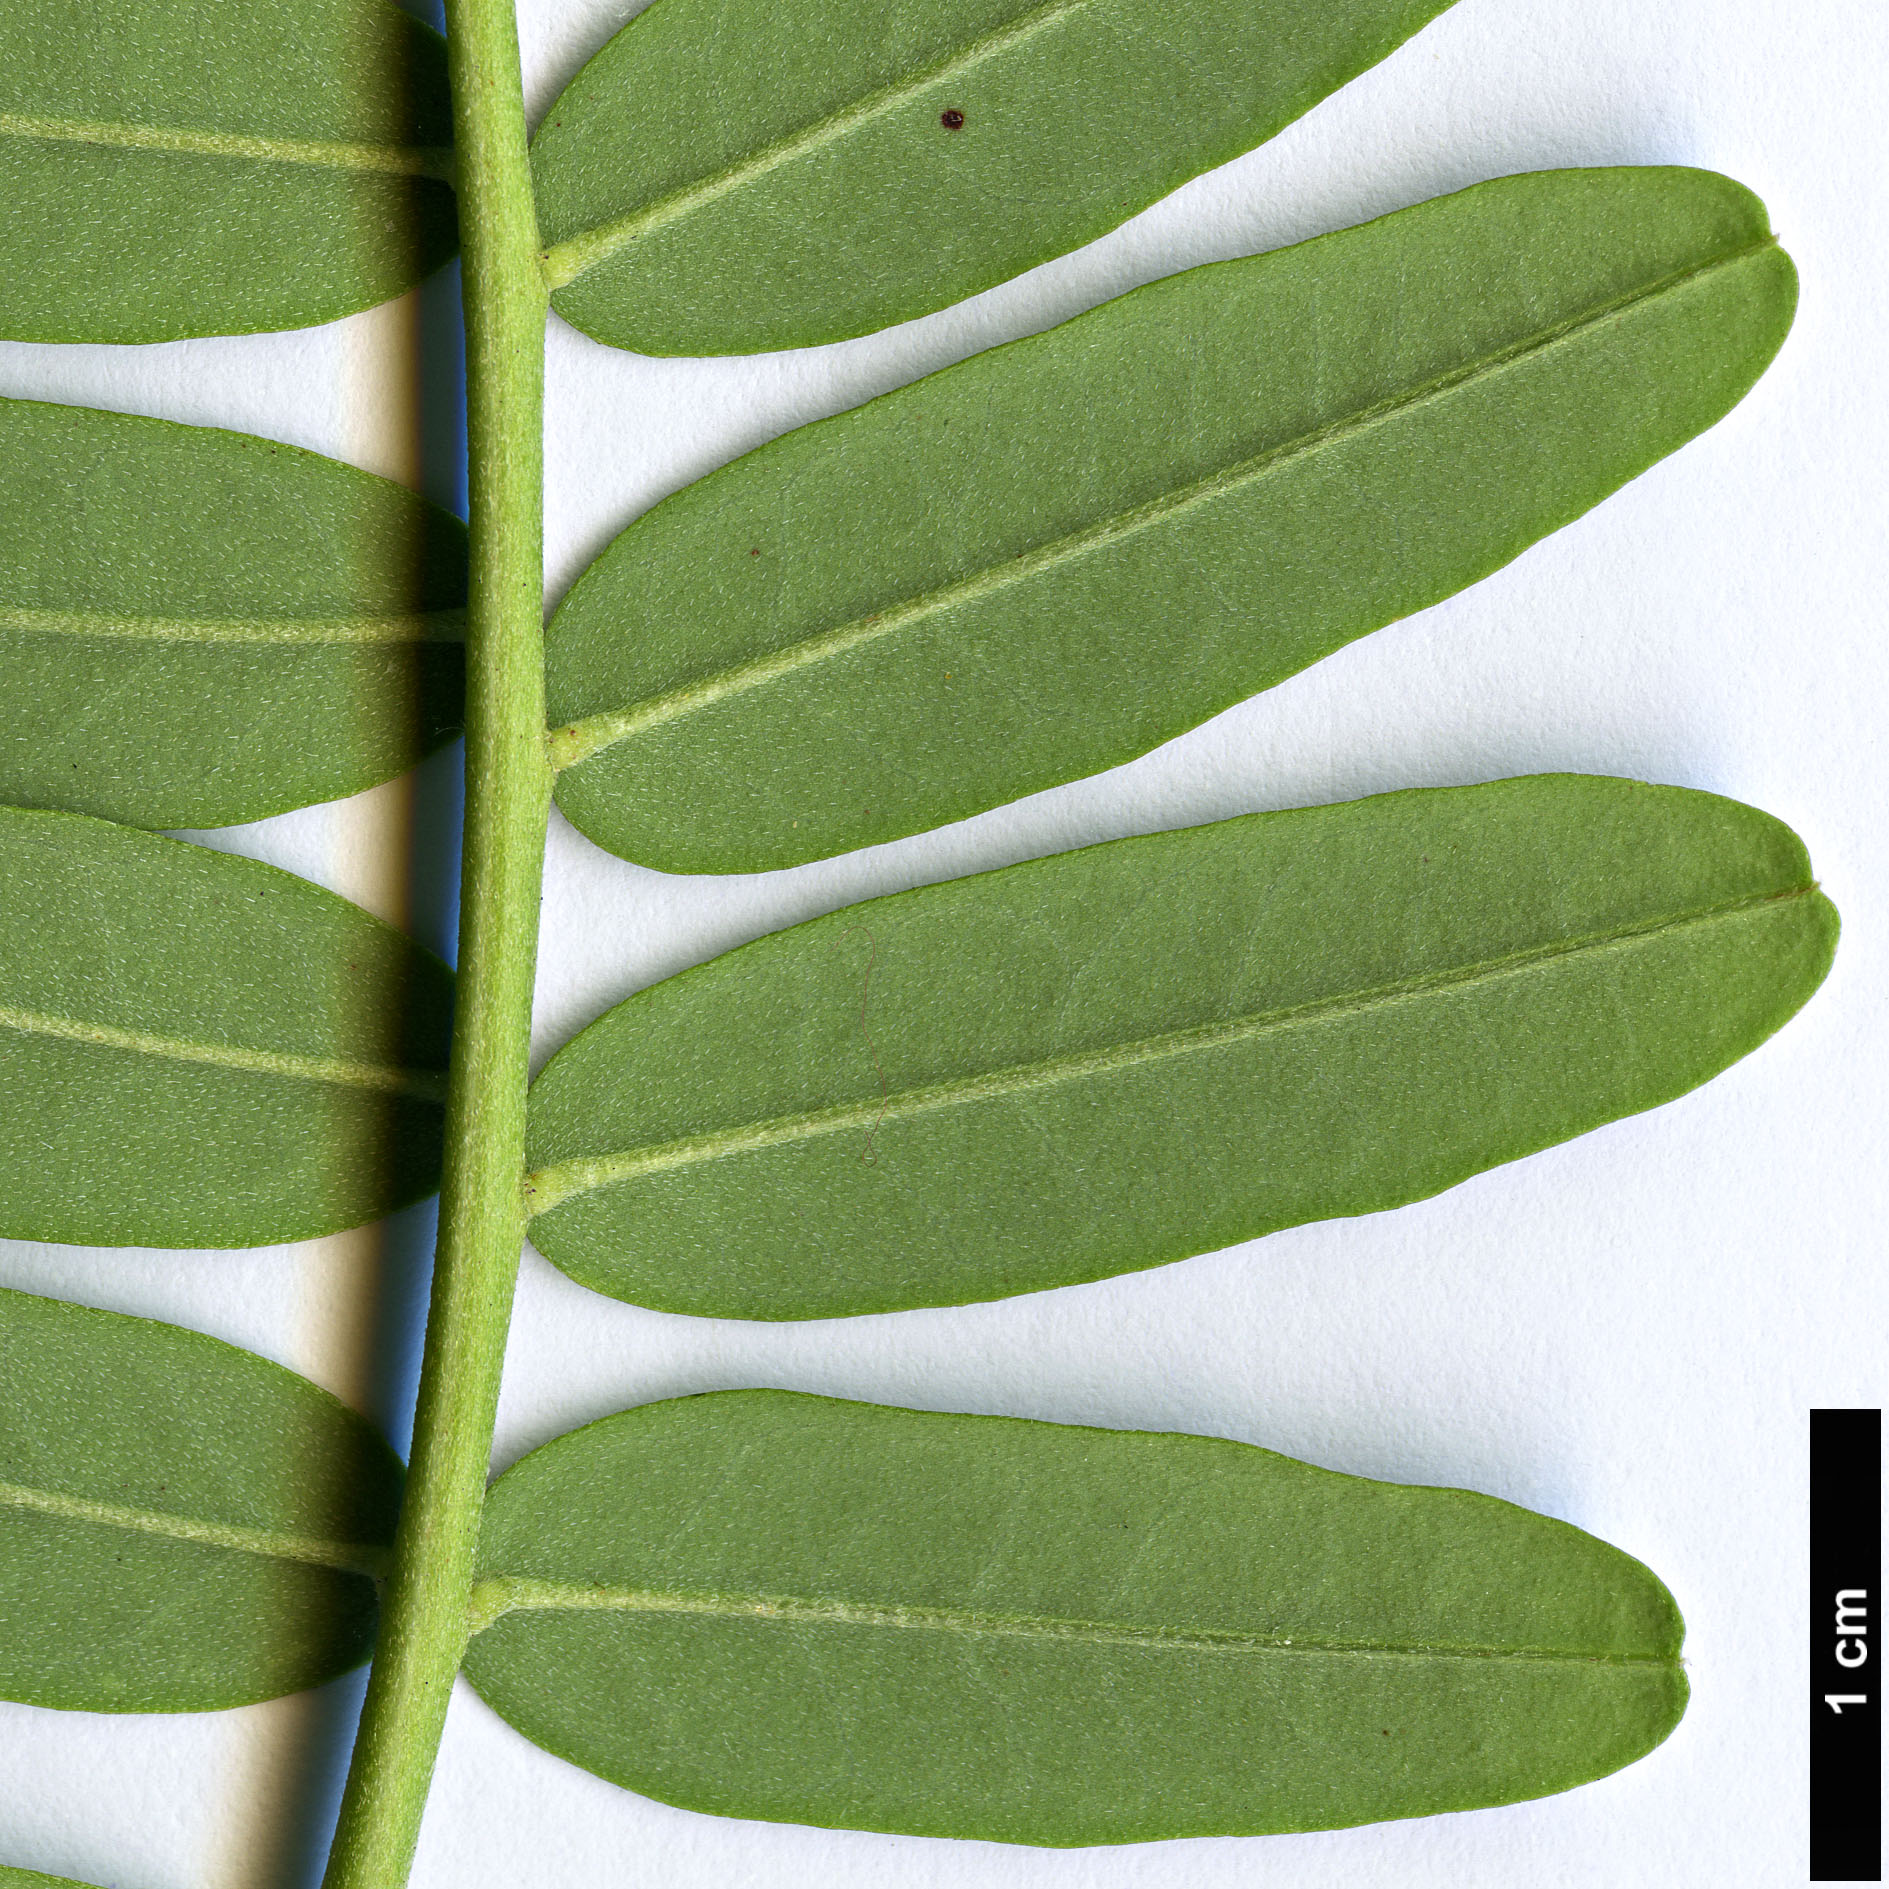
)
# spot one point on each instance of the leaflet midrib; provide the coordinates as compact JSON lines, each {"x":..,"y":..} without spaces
{"x":551,"y":1186}
{"x":430,"y":161}
{"x":494,"y":1598}
{"x":269,"y":1544}
{"x":412,"y":627}
{"x":339,"y":1071}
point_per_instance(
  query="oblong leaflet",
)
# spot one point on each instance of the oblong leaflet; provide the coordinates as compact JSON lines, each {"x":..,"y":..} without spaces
{"x":185,"y":171}
{"x":202,"y":627}
{"x":1157,"y":1046}
{"x":1048,"y":559}
{"x":983,"y":1627}
{"x":183,"y":1526}
{"x":199,"y":1050}
{"x":855,"y":166}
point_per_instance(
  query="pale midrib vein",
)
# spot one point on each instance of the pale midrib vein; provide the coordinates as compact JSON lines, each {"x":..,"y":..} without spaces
{"x":591,"y":735}
{"x":424,"y":626}
{"x":350,"y":1557}
{"x":493,"y":1599}
{"x":565,"y":261}
{"x":552,"y":1186}
{"x":427,"y":1085}
{"x":435,"y":162}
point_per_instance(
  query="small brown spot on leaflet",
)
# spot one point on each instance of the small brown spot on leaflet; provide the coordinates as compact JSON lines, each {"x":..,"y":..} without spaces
{"x":951,"y":118}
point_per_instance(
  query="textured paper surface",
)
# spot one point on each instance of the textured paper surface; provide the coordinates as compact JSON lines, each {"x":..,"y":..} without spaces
{"x":1625,"y":1331}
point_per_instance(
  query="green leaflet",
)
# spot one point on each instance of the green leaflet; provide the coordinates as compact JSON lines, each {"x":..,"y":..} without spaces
{"x":771,"y":1605}
{"x":1149,"y":1048}
{"x":171,"y":168}
{"x":200,"y":627}
{"x":183,"y":1526}
{"x":733,"y":175}
{"x":32,"y":1879}
{"x":198,"y":1050}
{"x":1050,"y":558}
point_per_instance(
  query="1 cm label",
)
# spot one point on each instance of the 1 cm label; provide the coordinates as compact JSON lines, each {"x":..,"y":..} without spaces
{"x":1852,"y":1647}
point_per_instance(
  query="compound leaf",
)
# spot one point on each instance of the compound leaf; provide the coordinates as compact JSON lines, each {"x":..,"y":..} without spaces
{"x":1153,"y":1047}
{"x":199,"y":1050}
{"x":1046,"y":560}
{"x":771,"y":1605}
{"x":733,"y":175}
{"x":200,"y":627}
{"x":170,"y":168}
{"x":183,"y":1526}
{"x":32,"y":1879}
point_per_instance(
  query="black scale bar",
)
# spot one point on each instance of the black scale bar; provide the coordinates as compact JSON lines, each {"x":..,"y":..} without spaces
{"x":1848,"y":1655}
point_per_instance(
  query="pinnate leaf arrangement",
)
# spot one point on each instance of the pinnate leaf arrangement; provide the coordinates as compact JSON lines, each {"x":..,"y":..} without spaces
{"x":1019,"y":571}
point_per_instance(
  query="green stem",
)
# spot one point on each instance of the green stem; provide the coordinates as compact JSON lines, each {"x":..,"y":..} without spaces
{"x":424,"y":1611}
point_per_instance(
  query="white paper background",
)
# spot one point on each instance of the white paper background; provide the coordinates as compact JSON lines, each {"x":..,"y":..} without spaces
{"x":1626,"y":1331}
